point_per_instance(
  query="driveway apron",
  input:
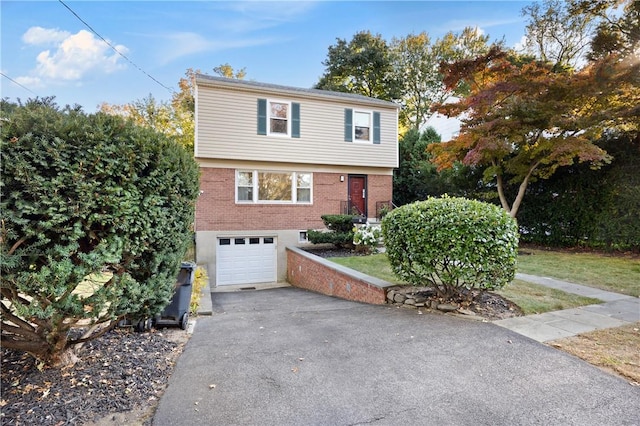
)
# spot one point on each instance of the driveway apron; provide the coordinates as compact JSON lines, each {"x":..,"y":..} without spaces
{"x":290,"y":357}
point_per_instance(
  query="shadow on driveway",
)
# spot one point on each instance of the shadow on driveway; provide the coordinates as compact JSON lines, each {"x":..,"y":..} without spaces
{"x":290,"y":357}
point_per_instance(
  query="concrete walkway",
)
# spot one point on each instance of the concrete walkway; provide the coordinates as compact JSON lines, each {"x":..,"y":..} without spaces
{"x":616,"y":311}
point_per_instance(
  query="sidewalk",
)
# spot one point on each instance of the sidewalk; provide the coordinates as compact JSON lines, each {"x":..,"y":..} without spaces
{"x":616,"y":311}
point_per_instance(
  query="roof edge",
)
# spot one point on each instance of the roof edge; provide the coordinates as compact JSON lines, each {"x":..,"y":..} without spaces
{"x":209,"y":80}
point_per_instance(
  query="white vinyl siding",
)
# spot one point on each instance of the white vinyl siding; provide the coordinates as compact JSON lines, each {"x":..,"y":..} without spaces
{"x":226,"y":123}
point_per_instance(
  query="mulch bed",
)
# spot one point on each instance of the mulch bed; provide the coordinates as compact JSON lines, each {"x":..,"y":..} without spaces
{"x":119,"y":371}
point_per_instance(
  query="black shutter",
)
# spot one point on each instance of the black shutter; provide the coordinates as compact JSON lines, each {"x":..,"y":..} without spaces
{"x":348,"y":125}
{"x":295,"y":120}
{"x":262,"y":116}
{"x":376,"y":128}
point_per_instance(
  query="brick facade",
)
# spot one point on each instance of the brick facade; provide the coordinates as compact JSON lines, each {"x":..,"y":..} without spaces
{"x":217,"y":210}
{"x":311,"y":272}
{"x":380,"y":188}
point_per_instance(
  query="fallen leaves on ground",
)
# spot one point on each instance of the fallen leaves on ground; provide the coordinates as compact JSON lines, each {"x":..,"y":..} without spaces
{"x":616,"y":350}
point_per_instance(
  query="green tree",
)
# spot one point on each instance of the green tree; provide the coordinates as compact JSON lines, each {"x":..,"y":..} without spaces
{"x":618,"y":29}
{"x":415,"y":173}
{"x":97,"y":214}
{"x":584,"y":207}
{"x":160,"y":116}
{"x":363,"y":65}
{"x":556,"y":35}
{"x":417,"y":64}
{"x":418,"y":178}
{"x":226,"y":70}
{"x":615,"y":51}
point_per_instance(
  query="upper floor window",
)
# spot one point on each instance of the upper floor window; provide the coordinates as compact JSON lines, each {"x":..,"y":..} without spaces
{"x":257,"y":186}
{"x":361,"y":126}
{"x":278,"y":118}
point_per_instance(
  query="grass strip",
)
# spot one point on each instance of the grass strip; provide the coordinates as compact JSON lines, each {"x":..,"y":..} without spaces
{"x":537,"y":299}
{"x":618,"y":274}
{"x":532,"y":298}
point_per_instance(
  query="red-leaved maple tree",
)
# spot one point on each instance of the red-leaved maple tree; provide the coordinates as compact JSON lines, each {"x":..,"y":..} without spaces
{"x":522,"y":120}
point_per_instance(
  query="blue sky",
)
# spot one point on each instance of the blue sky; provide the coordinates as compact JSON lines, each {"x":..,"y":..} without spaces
{"x":50,"y":52}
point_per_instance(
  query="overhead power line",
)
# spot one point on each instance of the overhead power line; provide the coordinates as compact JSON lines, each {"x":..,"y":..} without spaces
{"x":114,"y":49}
{"x":15,"y":82}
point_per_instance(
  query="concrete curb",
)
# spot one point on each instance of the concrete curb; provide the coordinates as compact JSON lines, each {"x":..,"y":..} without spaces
{"x":206,"y":305}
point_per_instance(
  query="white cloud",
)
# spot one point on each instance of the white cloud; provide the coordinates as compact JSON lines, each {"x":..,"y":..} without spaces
{"x":520,"y":45}
{"x":458,"y":24}
{"x":71,"y":56}
{"x":44,"y":36}
{"x":33,"y":82}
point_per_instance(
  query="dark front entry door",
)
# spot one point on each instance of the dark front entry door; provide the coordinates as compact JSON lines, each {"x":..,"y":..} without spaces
{"x":358,"y":194}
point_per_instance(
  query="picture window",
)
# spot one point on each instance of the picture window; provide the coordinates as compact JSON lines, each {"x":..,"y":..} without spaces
{"x":257,"y":186}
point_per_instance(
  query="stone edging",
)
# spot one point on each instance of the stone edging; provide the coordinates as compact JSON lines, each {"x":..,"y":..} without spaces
{"x":419,"y":297}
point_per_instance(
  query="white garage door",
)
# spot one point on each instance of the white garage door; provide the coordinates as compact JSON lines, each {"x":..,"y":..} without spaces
{"x":245,"y":260}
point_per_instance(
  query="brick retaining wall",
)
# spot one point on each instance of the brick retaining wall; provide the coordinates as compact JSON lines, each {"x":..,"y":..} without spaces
{"x":311,"y":272}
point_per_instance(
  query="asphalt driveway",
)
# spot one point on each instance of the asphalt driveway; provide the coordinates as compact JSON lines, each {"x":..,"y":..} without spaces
{"x":290,"y":357}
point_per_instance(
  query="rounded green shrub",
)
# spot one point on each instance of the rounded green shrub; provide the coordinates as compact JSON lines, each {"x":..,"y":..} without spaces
{"x":452,"y":245}
{"x":340,"y":231}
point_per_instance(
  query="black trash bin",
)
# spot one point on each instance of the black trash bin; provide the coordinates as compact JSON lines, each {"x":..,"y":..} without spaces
{"x":177,"y":312}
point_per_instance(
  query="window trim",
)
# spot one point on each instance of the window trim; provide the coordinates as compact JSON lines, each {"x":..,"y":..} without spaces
{"x":255,"y":187}
{"x":289,"y":118}
{"x":350,"y":127}
{"x":353,"y":130}
{"x":237,"y":185}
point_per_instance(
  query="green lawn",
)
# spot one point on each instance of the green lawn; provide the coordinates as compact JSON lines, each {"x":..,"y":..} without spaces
{"x":536,"y":299}
{"x":532,"y":298}
{"x":375,"y":265}
{"x":617,"y":274}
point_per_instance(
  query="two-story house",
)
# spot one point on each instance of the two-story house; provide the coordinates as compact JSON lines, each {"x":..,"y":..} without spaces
{"x":273,"y":159}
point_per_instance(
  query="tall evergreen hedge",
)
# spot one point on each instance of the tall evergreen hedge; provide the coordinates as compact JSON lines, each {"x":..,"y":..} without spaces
{"x":592,"y":208}
{"x":97,"y":214}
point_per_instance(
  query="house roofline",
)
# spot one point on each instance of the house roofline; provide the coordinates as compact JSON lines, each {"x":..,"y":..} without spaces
{"x":232,"y":83}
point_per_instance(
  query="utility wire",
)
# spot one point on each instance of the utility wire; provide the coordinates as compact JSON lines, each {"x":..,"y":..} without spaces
{"x":15,"y":82}
{"x":114,"y":49}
